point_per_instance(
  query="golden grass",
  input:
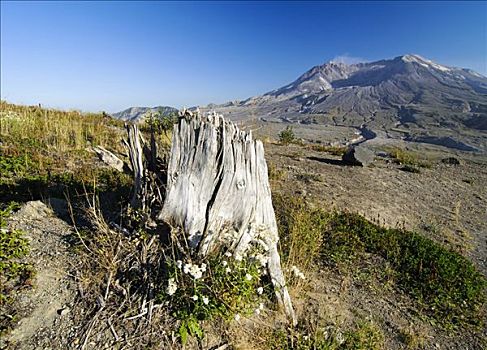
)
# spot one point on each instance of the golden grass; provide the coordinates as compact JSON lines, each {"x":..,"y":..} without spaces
{"x":61,"y":130}
{"x":53,"y":138}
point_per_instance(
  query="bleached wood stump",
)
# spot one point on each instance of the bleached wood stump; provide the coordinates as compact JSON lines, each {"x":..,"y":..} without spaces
{"x":218,"y":193}
{"x":136,"y":157}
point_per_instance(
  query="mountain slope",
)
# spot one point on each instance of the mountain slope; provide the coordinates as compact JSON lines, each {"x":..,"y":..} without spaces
{"x":139,"y":113}
{"x":410,"y":92}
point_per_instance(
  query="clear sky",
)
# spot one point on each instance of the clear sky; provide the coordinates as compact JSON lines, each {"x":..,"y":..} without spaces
{"x":112,"y":55}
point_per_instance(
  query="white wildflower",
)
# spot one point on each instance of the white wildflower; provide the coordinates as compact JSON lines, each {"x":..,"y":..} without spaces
{"x":194,"y":270}
{"x":297,"y":272}
{"x":257,"y":311}
{"x":339,"y":338}
{"x":237,"y":317}
{"x":228,"y":254}
{"x":194,"y":297}
{"x":260,"y":290}
{"x":261,"y":259}
{"x":248,"y":277}
{"x":228,"y":270}
{"x":171,"y":287}
{"x":179,"y":264}
{"x":238,"y":257}
{"x":206,"y":300}
{"x":224,"y":263}
{"x":196,"y":273}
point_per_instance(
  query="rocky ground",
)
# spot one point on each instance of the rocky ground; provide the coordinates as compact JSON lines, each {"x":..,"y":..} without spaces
{"x":443,"y":201}
{"x":446,"y":202}
{"x":44,"y":311}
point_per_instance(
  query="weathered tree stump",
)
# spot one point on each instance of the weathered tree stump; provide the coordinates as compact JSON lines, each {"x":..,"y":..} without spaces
{"x":148,"y":172}
{"x":218,"y":193}
{"x":136,"y":157}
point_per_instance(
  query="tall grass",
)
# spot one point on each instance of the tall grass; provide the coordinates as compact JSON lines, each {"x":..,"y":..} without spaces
{"x":51,"y":138}
{"x":54,"y":129}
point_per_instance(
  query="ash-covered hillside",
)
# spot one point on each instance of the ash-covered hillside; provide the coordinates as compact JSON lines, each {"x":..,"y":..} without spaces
{"x":407,"y":97}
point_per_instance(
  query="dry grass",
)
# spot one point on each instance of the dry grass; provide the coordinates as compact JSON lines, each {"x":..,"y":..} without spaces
{"x":119,"y":277}
{"x":51,"y":139}
{"x":54,"y":129}
{"x":410,"y":160}
{"x":413,"y":337}
{"x":335,"y":150}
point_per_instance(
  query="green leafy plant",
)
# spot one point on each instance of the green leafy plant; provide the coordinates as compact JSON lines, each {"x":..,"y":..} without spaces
{"x":14,"y":273}
{"x":445,"y":283}
{"x":287,"y":136}
{"x":220,"y":287}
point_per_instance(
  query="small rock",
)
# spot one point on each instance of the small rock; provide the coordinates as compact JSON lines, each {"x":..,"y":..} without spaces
{"x":34,"y":210}
{"x":109,"y":158}
{"x":383,"y":154}
{"x":358,"y":156}
{"x":451,"y":161}
{"x":64,"y":311}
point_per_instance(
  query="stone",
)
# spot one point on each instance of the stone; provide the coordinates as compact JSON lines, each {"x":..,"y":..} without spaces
{"x":358,"y":155}
{"x":451,"y":161}
{"x":64,"y":311}
{"x":109,"y":158}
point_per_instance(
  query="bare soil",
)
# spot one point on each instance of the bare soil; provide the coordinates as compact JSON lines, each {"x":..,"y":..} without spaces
{"x":44,"y":311}
{"x":445,"y":202}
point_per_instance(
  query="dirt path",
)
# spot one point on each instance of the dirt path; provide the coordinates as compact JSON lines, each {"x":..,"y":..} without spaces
{"x":44,"y":310}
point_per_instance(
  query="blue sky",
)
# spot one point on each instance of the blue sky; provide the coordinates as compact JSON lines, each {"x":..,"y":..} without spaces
{"x":111,"y":55}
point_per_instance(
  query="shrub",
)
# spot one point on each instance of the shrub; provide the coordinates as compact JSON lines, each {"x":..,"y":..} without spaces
{"x":445,"y":283}
{"x":162,"y":123}
{"x":220,"y":287}
{"x":408,"y":159}
{"x":287,"y":136}
{"x":335,"y":150}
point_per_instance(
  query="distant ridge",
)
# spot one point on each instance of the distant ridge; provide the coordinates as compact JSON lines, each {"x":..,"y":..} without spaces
{"x":139,"y":113}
